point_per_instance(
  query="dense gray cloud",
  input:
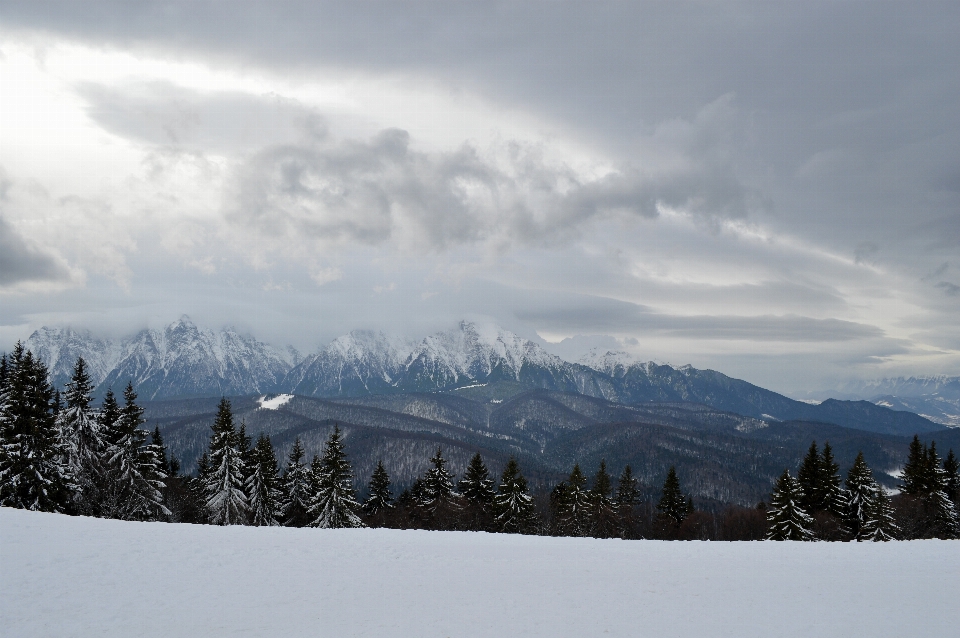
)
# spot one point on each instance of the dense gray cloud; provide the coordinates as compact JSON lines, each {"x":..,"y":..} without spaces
{"x":780,"y":178}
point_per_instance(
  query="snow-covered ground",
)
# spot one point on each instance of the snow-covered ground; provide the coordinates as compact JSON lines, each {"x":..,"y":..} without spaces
{"x":63,"y":576}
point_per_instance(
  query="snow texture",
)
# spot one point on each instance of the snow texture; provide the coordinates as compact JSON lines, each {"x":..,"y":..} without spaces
{"x":74,"y":576}
{"x":274,"y":403}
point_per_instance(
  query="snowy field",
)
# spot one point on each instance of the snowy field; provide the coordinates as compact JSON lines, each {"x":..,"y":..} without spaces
{"x":63,"y":576}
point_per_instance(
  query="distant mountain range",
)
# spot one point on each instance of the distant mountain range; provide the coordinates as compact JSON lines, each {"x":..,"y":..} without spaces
{"x":183,"y":361}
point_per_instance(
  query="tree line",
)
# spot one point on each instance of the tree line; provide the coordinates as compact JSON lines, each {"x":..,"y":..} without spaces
{"x":60,"y":454}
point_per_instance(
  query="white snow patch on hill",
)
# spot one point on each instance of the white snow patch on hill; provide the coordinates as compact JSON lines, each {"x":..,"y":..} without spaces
{"x":75,"y":576}
{"x":274,"y":403}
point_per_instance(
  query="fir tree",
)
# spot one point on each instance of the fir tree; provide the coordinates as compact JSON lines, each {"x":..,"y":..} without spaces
{"x":672,"y":503}
{"x":85,"y":448}
{"x":224,"y":483}
{"x":603,"y":510}
{"x":809,"y":476}
{"x":476,"y":484}
{"x":879,"y":524}
{"x":263,"y":492}
{"x":439,"y":498}
{"x":915,"y":473}
{"x":573,"y":506}
{"x":133,"y":467}
{"x":108,"y":418}
{"x":628,"y":495}
{"x":296,"y":488}
{"x":245,"y":449}
{"x":787,"y":520}
{"x":951,"y":471}
{"x":161,"y":451}
{"x":832,"y":497}
{"x":862,"y":490}
{"x":380,"y":498}
{"x":513,"y":505}
{"x":32,"y":473}
{"x":943,"y":514}
{"x":334,"y":504}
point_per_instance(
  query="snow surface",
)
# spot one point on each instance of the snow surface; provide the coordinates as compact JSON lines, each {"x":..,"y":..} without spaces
{"x":75,"y":576}
{"x":274,"y":403}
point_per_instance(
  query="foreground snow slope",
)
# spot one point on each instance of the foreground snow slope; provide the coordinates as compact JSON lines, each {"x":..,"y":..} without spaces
{"x":62,"y":576}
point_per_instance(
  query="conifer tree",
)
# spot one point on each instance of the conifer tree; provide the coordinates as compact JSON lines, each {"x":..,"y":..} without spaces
{"x":573,"y":515}
{"x":263,"y":492}
{"x":245,"y":449}
{"x":832,"y":498}
{"x":334,"y":504}
{"x":133,"y":468}
{"x":603,"y":510}
{"x":33,"y":475}
{"x":787,"y":519}
{"x":224,"y":483}
{"x":513,"y":506}
{"x":879,"y":524}
{"x":476,"y":484}
{"x":296,"y":488}
{"x":943,"y":514}
{"x":628,"y":495}
{"x":85,"y":448}
{"x":809,"y":476}
{"x":951,"y":471}
{"x":672,"y":503}
{"x":439,"y":496}
{"x":862,"y":491}
{"x":108,"y":417}
{"x":915,"y":472}
{"x":380,"y":498}
{"x":161,"y":451}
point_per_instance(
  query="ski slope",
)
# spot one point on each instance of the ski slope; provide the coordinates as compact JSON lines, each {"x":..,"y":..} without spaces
{"x":63,"y":576}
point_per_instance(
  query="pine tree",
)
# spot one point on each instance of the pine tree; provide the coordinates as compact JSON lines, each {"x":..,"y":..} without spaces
{"x":245,"y":449}
{"x":672,"y":503}
{"x":263,"y":492}
{"x":862,"y":490}
{"x":628,"y":495}
{"x":809,"y":476}
{"x":476,"y":484}
{"x":573,"y":515}
{"x":224,"y":483}
{"x":787,"y":519}
{"x":439,"y":496}
{"x":603,"y":510}
{"x":951,"y":471}
{"x":380,"y":498}
{"x":513,"y":506}
{"x":296,"y":488}
{"x":33,"y":475}
{"x":161,"y":450}
{"x":85,"y":448}
{"x":135,"y":475}
{"x":943,"y":514}
{"x":915,"y":473}
{"x":832,"y":498}
{"x":334,"y":504}
{"x":108,"y":417}
{"x":879,"y":524}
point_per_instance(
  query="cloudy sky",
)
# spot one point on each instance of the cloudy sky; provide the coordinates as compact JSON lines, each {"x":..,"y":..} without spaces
{"x":767,"y":189}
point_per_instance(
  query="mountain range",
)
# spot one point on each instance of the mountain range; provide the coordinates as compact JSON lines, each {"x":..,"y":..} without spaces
{"x":185,"y":361}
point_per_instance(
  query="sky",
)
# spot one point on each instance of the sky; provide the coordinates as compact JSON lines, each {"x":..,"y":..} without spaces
{"x":771,"y":190}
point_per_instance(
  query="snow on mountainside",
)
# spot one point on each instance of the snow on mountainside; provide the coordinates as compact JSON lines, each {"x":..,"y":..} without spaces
{"x":59,"y":348}
{"x":79,"y":576}
{"x":936,"y":398}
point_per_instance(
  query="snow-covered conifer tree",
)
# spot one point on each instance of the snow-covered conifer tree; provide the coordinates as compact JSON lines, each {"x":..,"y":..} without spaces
{"x":33,"y":475}
{"x":262,"y":484}
{"x":380,"y":499}
{"x":672,"y":503}
{"x":476,"y":484}
{"x":809,"y":476}
{"x":943,"y":514}
{"x":296,"y":488}
{"x":603,"y":509}
{"x":224,"y":483}
{"x":85,"y":447}
{"x":572,"y":508}
{"x":787,"y":520}
{"x":862,"y":492}
{"x":513,"y":505}
{"x":334,"y":504}
{"x":439,"y":498}
{"x":628,"y":495}
{"x":832,"y":499}
{"x":879,"y":524}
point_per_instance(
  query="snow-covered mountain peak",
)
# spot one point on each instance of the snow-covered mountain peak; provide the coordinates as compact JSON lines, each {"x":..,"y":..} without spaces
{"x":607,"y":361}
